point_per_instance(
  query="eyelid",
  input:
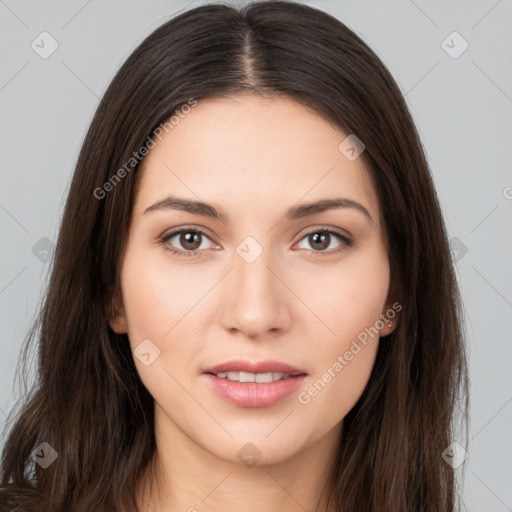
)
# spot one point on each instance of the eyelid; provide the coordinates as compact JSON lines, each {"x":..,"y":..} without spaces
{"x":318,"y":228}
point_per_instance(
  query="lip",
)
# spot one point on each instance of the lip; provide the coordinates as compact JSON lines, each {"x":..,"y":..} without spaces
{"x":256,"y":367}
{"x":254,"y":394}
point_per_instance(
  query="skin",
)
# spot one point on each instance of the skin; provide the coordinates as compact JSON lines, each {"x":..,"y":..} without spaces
{"x":254,"y":158}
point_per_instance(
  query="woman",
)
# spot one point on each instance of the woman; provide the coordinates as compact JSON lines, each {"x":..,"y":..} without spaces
{"x":252,"y":303}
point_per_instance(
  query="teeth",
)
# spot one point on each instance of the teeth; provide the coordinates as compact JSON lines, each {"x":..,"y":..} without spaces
{"x":247,"y":377}
{"x":266,"y":377}
{"x":253,"y":377}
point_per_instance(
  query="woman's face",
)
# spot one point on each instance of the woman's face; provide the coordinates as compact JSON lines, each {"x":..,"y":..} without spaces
{"x":269,"y":283}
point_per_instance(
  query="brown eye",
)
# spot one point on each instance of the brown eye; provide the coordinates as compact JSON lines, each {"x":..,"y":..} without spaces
{"x":322,"y":239}
{"x":185,"y":242}
{"x":189,"y":240}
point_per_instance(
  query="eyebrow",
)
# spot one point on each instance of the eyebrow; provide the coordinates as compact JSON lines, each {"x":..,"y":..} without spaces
{"x":296,"y":212}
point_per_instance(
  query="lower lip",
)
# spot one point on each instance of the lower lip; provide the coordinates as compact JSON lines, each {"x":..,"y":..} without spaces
{"x":254,"y":394}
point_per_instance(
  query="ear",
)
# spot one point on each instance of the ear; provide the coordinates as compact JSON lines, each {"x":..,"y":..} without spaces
{"x":116,"y":313}
{"x":391,"y":314}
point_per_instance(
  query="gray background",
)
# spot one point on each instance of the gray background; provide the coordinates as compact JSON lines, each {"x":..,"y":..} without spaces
{"x":462,"y":107}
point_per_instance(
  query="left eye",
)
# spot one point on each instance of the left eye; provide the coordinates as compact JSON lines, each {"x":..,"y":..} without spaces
{"x":321,"y":239}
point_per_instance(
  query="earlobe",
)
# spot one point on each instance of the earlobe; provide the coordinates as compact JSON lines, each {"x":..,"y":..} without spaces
{"x":118,"y":325}
{"x":117,"y":317}
{"x":389,"y":326}
{"x":390,"y":318}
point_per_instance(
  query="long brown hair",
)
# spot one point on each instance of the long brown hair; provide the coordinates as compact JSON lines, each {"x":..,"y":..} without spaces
{"x":88,"y":402}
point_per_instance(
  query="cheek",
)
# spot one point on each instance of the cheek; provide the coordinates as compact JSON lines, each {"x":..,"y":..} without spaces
{"x":168,"y":305}
{"x":157,"y":299}
{"x":346,"y":300}
{"x":341,"y":367}
{"x":332,"y":392}
{"x":349,"y":302}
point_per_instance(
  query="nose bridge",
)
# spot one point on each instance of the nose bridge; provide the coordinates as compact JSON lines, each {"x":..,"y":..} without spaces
{"x":255,"y":301}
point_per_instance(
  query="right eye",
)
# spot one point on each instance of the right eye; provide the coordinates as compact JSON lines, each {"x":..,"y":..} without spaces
{"x":189,"y":238}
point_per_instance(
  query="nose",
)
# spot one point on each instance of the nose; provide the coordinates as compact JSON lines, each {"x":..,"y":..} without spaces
{"x":257,"y":302}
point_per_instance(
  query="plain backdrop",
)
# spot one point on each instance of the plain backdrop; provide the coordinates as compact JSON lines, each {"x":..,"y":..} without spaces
{"x":458,"y":87}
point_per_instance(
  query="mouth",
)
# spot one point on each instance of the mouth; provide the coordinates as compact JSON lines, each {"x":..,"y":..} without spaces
{"x":260,"y":384}
{"x":260,"y":378}
{"x":254,"y":368}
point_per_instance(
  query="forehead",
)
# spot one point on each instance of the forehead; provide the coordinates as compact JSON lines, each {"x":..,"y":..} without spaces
{"x":248,"y":153}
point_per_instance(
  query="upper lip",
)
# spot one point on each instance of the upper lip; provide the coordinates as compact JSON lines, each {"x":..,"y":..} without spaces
{"x":255,"y":367}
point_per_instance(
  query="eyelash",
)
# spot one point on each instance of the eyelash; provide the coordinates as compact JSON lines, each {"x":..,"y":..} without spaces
{"x":167,"y":236}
